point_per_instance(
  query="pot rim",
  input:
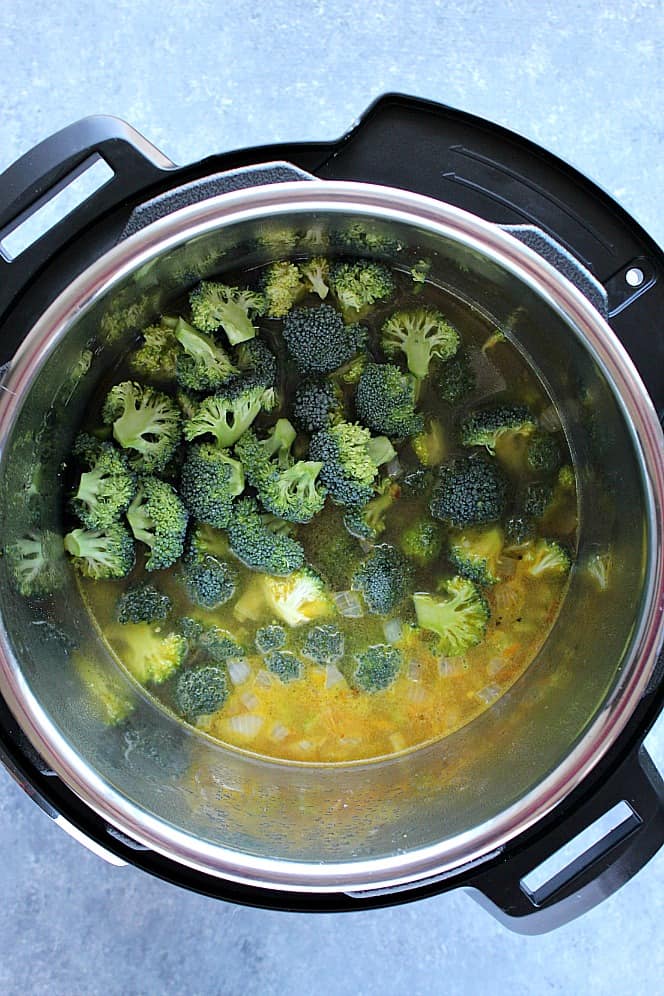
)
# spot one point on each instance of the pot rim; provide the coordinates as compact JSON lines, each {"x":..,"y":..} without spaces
{"x":388,"y":204}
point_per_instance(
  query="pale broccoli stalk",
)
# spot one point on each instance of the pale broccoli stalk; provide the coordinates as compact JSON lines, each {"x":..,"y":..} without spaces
{"x":317,"y":272}
{"x":422,"y":334}
{"x":216,"y":305}
{"x":458,"y":615}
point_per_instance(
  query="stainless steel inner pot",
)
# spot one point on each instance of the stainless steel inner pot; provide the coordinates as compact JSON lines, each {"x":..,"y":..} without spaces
{"x":368,"y":825}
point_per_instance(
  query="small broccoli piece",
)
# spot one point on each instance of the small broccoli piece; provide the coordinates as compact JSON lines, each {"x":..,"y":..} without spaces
{"x":456,"y":379}
{"x":143,"y":603}
{"x":145,"y":422}
{"x":101,"y":554}
{"x":599,"y":566}
{"x":324,"y":644}
{"x":218,"y":644}
{"x":567,"y":478}
{"x":158,"y":518}
{"x":459,"y":615}
{"x":210,"y":480}
{"x":202,"y":365}
{"x":282,"y":287}
{"x":376,"y":668}
{"x":299,"y":598}
{"x":86,"y":448}
{"x":536,"y":500}
{"x":317,"y":272}
{"x":104,"y":493}
{"x":485,"y":426}
{"x":469,"y":491}
{"x":545,"y":557}
{"x":419,"y":273}
{"x":368,"y":522}
{"x":360,"y":283}
{"x":385,"y":401}
{"x":294,"y":494}
{"x":271,"y":637}
{"x":317,"y":403}
{"x":475,"y":553}
{"x":518,"y":530}
{"x":200,"y":691}
{"x":494,"y":339}
{"x":362,"y":239}
{"x":258,"y":546}
{"x":108,"y":698}
{"x":350,"y":458}
{"x":422,"y":541}
{"x":543,"y":453}
{"x":191,"y":629}
{"x":262,"y":457}
{"x":206,"y":541}
{"x":215,"y":306}
{"x":209,"y":582}
{"x":319,"y":341}
{"x":149,"y":654}
{"x":384,"y":579}
{"x":157,"y":357}
{"x":285,"y":665}
{"x":430,"y":446}
{"x":422,"y":334}
{"x":351,"y":372}
{"x":224,"y":417}
{"x":257,"y":367}
{"x":35,"y":562}
{"x":331,"y":550}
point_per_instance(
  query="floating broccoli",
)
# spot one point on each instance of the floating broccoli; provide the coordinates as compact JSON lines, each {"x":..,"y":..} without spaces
{"x":536,"y":500}
{"x":285,"y":665}
{"x":376,"y":668}
{"x":209,"y":582}
{"x":210,"y":480}
{"x":422,"y":540}
{"x":430,"y":446}
{"x":35,"y":563}
{"x":299,"y":598}
{"x":319,"y":341}
{"x":317,"y":403}
{"x":543,"y":453}
{"x":105,"y":492}
{"x":257,"y":366}
{"x":368,"y":521}
{"x":215,"y":306}
{"x":216,"y":644}
{"x":469,"y":491}
{"x":384,"y":579}
{"x":324,"y":644}
{"x":258,"y":546}
{"x":385,"y":401}
{"x":158,"y":518}
{"x":143,"y":602}
{"x":456,"y":379}
{"x":201,"y":364}
{"x":145,"y":422}
{"x":458,"y":615}
{"x":107,"y":696}
{"x":475,"y":552}
{"x":282,"y":287}
{"x":422,"y":334}
{"x":225,"y":417}
{"x":316,"y":272}
{"x":101,"y":554}
{"x":360,"y":283}
{"x":262,"y":457}
{"x":544,"y":557}
{"x":293,"y":494}
{"x":272,"y":637}
{"x":350,"y":458}
{"x":201,"y":691}
{"x":156,"y":358}
{"x":485,"y":426}
{"x":518,"y":530}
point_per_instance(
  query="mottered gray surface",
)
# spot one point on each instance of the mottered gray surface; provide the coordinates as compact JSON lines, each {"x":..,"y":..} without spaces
{"x":199,"y":77}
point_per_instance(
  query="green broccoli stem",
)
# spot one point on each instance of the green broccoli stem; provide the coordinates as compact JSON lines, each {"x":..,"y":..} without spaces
{"x":418,"y":354}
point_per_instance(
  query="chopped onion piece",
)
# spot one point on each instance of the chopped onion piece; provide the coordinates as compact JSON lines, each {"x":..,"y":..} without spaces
{"x":394,"y":468}
{"x":495,"y":665}
{"x":393,"y":630}
{"x":249,"y":700}
{"x":279,"y":732}
{"x":449,"y":666}
{"x":365,"y":545}
{"x":489,"y":694}
{"x":506,"y":566}
{"x":416,"y":693}
{"x":264,"y":678}
{"x":349,"y":604}
{"x":333,"y":676}
{"x":304,"y":745}
{"x":414,"y":671}
{"x":489,"y":380}
{"x":238,"y":670}
{"x":549,"y":420}
{"x":398,"y":741}
{"x":246,"y":725}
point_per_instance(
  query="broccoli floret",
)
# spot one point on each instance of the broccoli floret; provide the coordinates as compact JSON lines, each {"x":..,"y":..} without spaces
{"x":567,"y":478}
{"x":543,"y":453}
{"x":209,"y":582}
{"x":86,"y":448}
{"x":359,"y":238}
{"x":201,"y":691}
{"x":458,"y":615}
{"x":422,"y":541}
{"x":104,"y":493}
{"x":259,"y":547}
{"x":282,"y":286}
{"x":225,"y":418}
{"x":360,"y":283}
{"x":545,"y":557}
{"x":518,"y":530}
{"x":384,"y":579}
{"x":324,"y":644}
{"x":101,"y":554}
{"x":258,"y":368}
{"x":536,"y":500}
{"x":351,"y":372}
{"x":317,"y":272}
{"x":109,"y":700}
{"x":202,"y":365}
{"x":262,"y":457}
{"x":299,"y":598}
{"x":145,"y":422}
{"x":271,"y":637}
{"x":294,"y":494}
{"x":419,"y":273}
{"x":35,"y":562}
{"x":494,"y":339}
{"x":285,"y":665}
{"x":206,"y":541}
{"x":157,"y":357}
{"x":350,"y":458}
{"x":209,"y":482}
{"x":143,"y":603}
{"x":158,"y":518}
{"x":376,"y":668}
{"x":319,"y":341}
{"x":422,"y":334}
{"x":368,"y":522}
{"x":456,"y":379}
{"x":317,"y":403}
{"x":385,"y":401}
{"x":475,"y":553}
{"x":469,"y":491}
{"x":215,"y":306}
{"x":218,"y":644}
{"x":430,"y":446}
{"x":485,"y":426}
{"x":332,"y":551}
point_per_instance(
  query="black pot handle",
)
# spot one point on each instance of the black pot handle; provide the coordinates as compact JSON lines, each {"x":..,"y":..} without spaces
{"x":44,"y":171}
{"x":595,"y":874}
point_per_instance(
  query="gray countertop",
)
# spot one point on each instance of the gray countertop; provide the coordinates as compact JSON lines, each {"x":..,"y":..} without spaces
{"x":585,"y":81}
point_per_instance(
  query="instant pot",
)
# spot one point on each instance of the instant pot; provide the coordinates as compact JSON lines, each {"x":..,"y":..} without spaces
{"x":577,"y":285}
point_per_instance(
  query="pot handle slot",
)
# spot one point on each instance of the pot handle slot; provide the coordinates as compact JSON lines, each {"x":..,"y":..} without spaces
{"x":519,"y":889}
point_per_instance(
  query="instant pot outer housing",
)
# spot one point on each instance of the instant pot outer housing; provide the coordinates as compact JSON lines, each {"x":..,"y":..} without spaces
{"x":556,"y":265}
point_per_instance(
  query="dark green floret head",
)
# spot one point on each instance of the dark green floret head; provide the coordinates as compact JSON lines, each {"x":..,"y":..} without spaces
{"x":375,"y":668}
{"x":286,"y":666}
{"x":359,"y":283}
{"x":458,"y":613}
{"x":422,"y":541}
{"x":210,"y":479}
{"x":456,"y":379}
{"x":324,"y":644}
{"x":421,"y":335}
{"x":319,"y":341}
{"x":317,"y":403}
{"x":272,"y":637}
{"x":536,"y":500}
{"x":35,"y":563}
{"x":217,"y":306}
{"x":201,"y":691}
{"x":294,"y":494}
{"x":257,"y":367}
{"x":485,"y":426}
{"x":384,"y":579}
{"x":218,"y":644}
{"x":86,"y":448}
{"x":543,"y":453}
{"x":350,"y":458}
{"x":143,"y":602}
{"x":106,"y":490}
{"x":385,"y":401}
{"x":469,"y":491}
{"x":201,"y":364}
{"x":158,"y":518}
{"x":145,"y":422}
{"x":101,"y":554}
{"x":518,"y":529}
{"x":258,"y":546}
{"x":209,"y":582}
